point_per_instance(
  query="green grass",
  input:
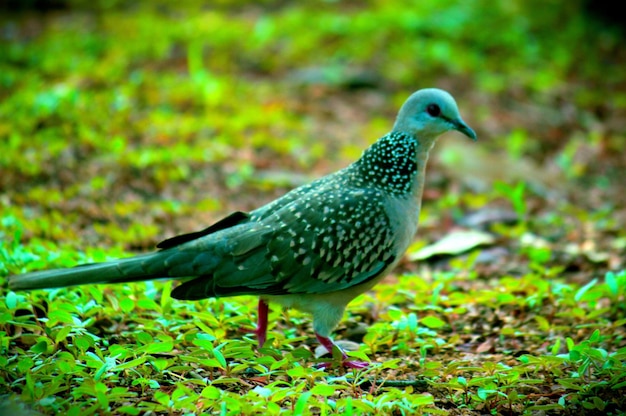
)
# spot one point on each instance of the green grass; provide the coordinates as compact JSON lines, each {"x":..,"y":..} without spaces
{"x":122,"y":125}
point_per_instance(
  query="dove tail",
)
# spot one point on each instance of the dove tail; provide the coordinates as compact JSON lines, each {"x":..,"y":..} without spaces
{"x":132,"y":269}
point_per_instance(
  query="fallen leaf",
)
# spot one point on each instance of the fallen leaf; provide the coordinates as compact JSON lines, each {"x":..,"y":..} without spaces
{"x":454,"y":243}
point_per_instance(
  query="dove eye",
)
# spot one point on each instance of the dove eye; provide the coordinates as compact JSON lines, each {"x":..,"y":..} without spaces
{"x":433,"y":110}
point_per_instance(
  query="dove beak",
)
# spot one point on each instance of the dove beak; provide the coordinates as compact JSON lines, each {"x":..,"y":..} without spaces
{"x":460,"y":126}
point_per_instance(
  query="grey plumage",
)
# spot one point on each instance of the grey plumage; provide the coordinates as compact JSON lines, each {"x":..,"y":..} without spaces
{"x":315,"y":248}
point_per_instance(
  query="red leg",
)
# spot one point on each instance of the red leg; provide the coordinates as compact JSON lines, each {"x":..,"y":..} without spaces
{"x":329,"y":344}
{"x":261,"y":326}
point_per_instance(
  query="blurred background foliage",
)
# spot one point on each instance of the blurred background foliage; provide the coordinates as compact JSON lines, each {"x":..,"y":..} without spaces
{"x":166,"y":102}
{"x":122,"y":123}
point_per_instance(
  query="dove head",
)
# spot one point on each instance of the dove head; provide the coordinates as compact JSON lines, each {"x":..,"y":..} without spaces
{"x":429,"y":113}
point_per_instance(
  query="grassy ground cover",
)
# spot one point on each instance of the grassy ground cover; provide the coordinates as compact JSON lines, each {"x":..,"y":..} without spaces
{"x":123,"y":124}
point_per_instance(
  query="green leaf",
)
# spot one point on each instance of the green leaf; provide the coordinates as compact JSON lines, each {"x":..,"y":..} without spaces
{"x":157,"y":347}
{"x":483,"y":393}
{"x":40,"y":347}
{"x":323,"y":390}
{"x":130,"y":364}
{"x":144,"y":337}
{"x":220,"y":358}
{"x":166,"y":298}
{"x":128,"y":410}
{"x":432,"y":322}
{"x":127,"y":305}
{"x":162,"y":398}
{"x":611,"y":282}
{"x":83,"y":342}
{"x":573,"y":383}
{"x":619,"y":385}
{"x":148,"y":304}
{"x":59,"y":316}
{"x":62,"y":334}
{"x":581,"y":292}
{"x":160,"y":363}
{"x":11,"y":300}
{"x":301,"y":403}
{"x":25,"y":364}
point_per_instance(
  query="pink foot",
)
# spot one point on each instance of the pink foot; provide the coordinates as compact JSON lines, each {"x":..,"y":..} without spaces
{"x":345,"y":362}
{"x":358,"y":365}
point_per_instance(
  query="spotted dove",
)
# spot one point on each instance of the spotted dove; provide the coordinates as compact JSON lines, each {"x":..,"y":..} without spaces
{"x":314,"y":249}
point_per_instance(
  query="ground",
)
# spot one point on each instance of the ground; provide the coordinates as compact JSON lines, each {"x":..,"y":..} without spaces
{"x":122,"y":125}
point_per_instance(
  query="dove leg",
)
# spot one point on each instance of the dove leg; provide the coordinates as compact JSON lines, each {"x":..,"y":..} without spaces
{"x":261,"y":326}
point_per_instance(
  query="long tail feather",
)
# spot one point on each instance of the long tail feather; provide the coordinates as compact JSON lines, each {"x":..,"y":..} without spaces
{"x":132,"y":269}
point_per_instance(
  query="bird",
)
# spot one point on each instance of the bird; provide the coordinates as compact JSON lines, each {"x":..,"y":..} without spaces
{"x":315,"y":248}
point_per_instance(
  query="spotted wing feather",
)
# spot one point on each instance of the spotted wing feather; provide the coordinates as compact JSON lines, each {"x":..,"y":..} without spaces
{"x":346,"y":242}
{"x":316,"y":244}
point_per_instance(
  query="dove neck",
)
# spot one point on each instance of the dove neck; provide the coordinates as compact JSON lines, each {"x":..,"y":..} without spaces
{"x":394,"y":164}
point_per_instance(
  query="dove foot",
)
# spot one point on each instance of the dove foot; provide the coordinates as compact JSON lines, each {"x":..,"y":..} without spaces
{"x":345,"y":361}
